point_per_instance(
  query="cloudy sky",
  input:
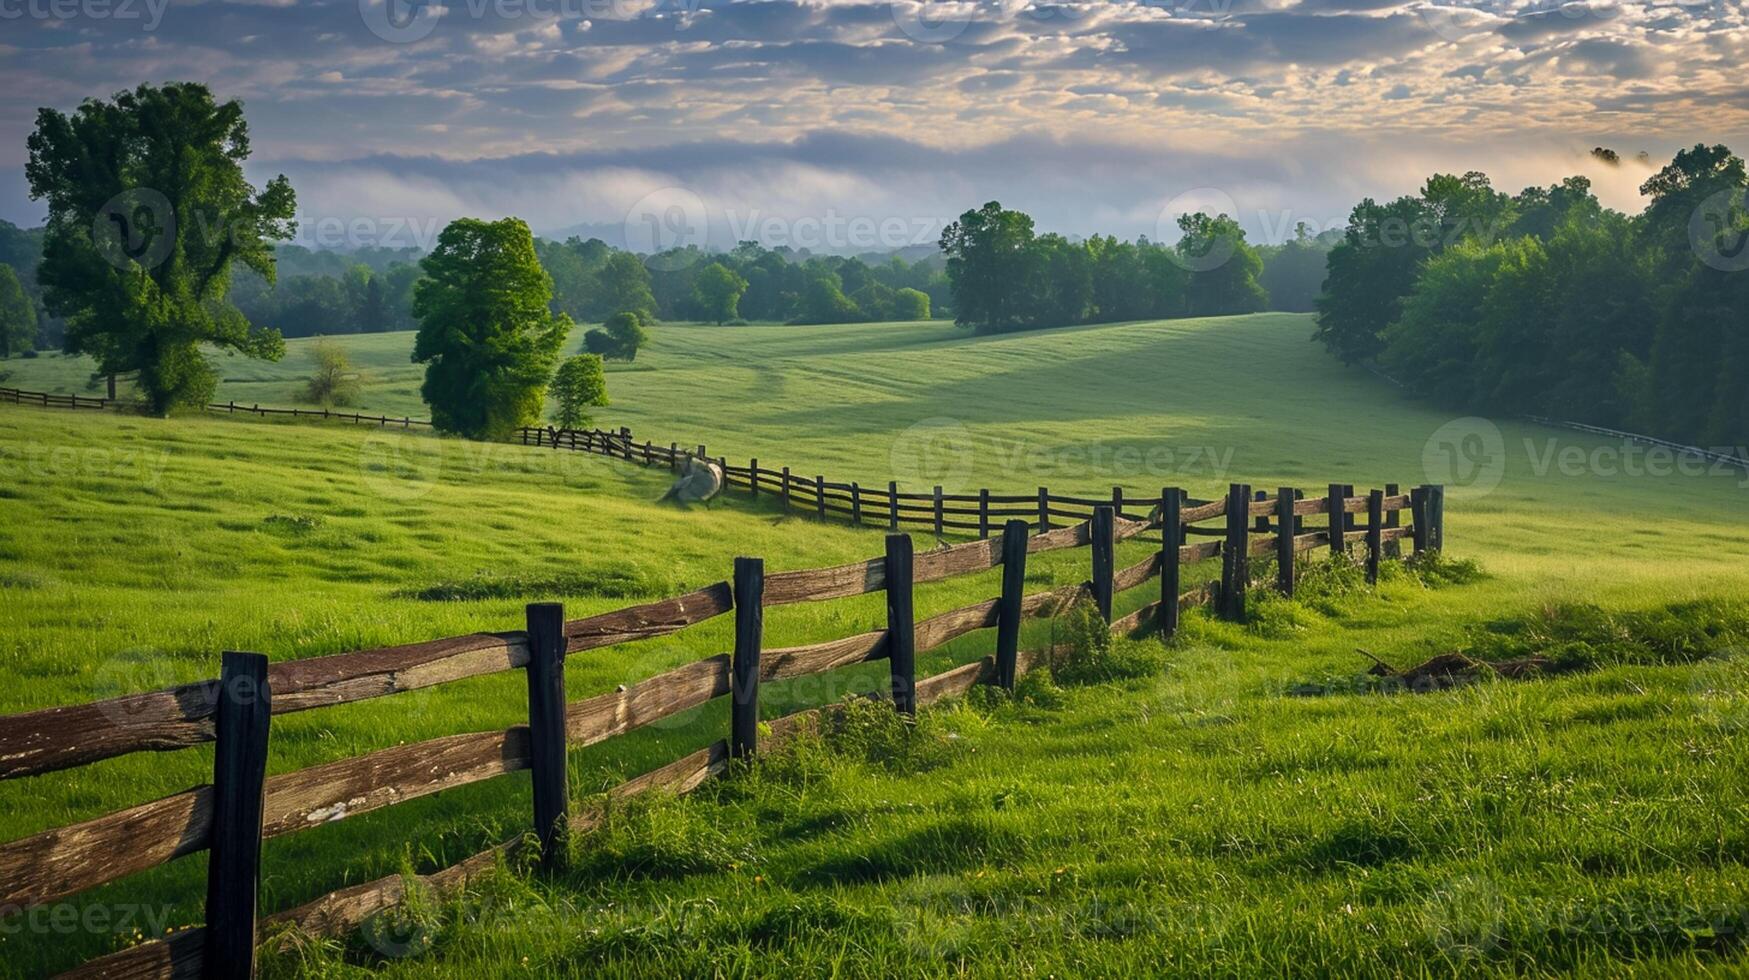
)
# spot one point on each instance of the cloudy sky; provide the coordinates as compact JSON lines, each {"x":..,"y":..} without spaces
{"x":843,"y":124}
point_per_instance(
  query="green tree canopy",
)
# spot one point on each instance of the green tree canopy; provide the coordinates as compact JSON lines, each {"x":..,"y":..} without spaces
{"x":148,"y":211}
{"x":718,"y":290}
{"x":991,"y":264}
{"x":626,"y":331}
{"x":623,"y":283}
{"x":486,"y":334}
{"x":910,"y":304}
{"x":578,"y":385}
{"x":17,"y":316}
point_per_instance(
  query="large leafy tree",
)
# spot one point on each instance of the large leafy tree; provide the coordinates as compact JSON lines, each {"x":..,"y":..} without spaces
{"x":486,"y":334}
{"x":148,"y":212}
{"x":579,"y":385}
{"x":717,"y":291}
{"x":1223,"y":266}
{"x":17,"y":315}
{"x":993,"y":266}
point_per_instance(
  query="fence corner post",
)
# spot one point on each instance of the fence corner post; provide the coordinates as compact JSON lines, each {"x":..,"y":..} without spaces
{"x":242,"y":717}
{"x":1104,"y":558}
{"x":1236,"y":552}
{"x":1284,"y":541}
{"x":546,"y":729}
{"x":1014,"y":543}
{"x":1171,"y":541}
{"x":901,"y":623}
{"x":749,"y":593}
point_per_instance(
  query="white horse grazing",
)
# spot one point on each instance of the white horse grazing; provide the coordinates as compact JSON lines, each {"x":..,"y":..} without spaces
{"x":698,"y":482}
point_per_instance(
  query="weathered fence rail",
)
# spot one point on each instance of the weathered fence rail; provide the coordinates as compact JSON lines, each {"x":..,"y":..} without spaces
{"x":240,"y":807}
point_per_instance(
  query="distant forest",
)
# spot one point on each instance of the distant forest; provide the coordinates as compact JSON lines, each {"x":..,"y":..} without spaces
{"x":370,"y":290}
{"x":1547,"y":303}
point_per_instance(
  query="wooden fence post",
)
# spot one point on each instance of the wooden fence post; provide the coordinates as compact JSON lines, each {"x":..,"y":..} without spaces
{"x":786,"y":488}
{"x":820,"y":497}
{"x":1284,"y":541}
{"x":1338,"y":542}
{"x":1104,"y":559}
{"x":1261,"y":523}
{"x":1418,"y":518}
{"x":753,"y":477}
{"x":855,"y":504}
{"x":1044,"y":510}
{"x":984,"y":512}
{"x":744,"y":665}
{"x":901,"y":624}
{"x":1375,"y":534}
{"x":702,"y":455}
{"x":1349,"y":521}
{"x":1236,"y":553}
{"x":1436,"y":517}
{"x":1014,"y":536}
{"x":892,"y":505}
{"x":1117,"y":501}
{"x":546,"y":728}
{"x":241,"y":718}
{"x":1393,"y":547}
{"x":938,"y":510}
{"x":1171,"y":539}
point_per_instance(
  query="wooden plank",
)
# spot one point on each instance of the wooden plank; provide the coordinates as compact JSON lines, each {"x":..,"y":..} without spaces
{"x":156,"y":721}
{"x":939,"y":629}
{"x":1128,"y":578}
{"x":632,"y":706}
{"x":744,"y":668}
{"x":649,"y":620}
{"x":820,"y":657}
{"x":961,"y":559}
{"x":348,"y":787}
{"x":233,"y":883}
{"x":816,"y":584}
{"x":901,"y":624}
{"x":546,"y":728}
{"x":956,"y":681}
{"x":54,"y":864}
{"x":1009,"y":611}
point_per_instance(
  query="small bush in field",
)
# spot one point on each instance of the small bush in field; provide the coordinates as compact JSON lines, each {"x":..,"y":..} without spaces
{"x":1091,"y":654}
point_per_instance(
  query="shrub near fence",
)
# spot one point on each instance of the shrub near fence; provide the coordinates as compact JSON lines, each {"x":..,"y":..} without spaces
{"x":231,"y":816}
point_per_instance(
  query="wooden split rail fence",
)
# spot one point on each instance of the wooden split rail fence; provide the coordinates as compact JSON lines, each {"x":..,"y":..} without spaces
{"x":230,"y":816}
{"x":983,"y":512}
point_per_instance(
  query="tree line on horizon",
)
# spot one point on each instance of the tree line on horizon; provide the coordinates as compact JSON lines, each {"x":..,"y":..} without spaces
{"x":1547,"y":303}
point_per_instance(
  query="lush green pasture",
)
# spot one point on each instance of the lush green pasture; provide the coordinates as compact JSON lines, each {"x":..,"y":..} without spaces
{"x":1194,"y":820}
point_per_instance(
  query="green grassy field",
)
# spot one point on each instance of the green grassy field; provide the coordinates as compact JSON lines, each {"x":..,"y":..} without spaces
{"x":1196,"y":819}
